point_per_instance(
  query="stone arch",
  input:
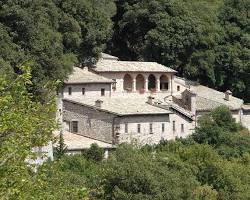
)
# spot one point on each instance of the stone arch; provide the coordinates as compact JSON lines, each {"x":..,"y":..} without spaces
{"x":140,"y":82}
{"x":164,"y":82}
{"x":151,"y":82}
{"x":127,"y":82}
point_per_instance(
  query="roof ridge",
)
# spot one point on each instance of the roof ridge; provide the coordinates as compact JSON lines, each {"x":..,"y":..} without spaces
{"x":209,"y":99}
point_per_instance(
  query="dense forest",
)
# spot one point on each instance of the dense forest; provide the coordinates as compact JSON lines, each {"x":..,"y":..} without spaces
{"x":40,"y":41}
{"x":206,"y":40}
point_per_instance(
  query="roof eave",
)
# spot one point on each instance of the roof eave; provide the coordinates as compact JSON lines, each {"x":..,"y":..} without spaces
{"x":104,"y":71}
{"x":114,"y":113}
{"x":88,"y":82}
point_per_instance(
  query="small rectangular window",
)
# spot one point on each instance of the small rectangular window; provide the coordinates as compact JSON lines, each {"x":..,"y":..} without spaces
{"x":163,"y":127}
{"x":138,"y":128}
{"x":126,"y":127}
{"x":182,"y":128}
{"x":83,"y":91}
{"x":173,"y":125}
{"x":114,"y":84}
{"x":74,"y":126}
{"x":151,"y":128}
{"x":178,"y":88}
{"x":70,"y":90}
{"x":102,"y":92}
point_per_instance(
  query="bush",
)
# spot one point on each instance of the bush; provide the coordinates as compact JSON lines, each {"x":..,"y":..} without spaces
{"x":94,"y":153}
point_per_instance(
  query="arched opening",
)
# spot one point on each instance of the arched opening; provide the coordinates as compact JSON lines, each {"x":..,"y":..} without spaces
{"x":139,"y":82}
{"x":127,"y":82}
{"x":163,"y":82}
{"x":151,"y":82}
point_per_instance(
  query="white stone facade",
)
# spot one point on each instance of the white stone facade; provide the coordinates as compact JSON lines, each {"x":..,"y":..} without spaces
{"x":84,"y":90}
{"x":139,"y":83}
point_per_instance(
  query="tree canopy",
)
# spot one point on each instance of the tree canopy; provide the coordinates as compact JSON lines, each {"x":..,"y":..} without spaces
{"x":24,"y":124}
{"x":54,"y":34}
{"x":206,"y":41}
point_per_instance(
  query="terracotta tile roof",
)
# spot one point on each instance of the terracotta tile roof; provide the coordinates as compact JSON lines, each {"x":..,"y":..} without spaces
{"x":84,"y":76}
{"x":122,"y":106}
{"x":130,"y":66}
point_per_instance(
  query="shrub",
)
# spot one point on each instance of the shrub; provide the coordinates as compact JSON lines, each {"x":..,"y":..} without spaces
{"x":94,"y":153}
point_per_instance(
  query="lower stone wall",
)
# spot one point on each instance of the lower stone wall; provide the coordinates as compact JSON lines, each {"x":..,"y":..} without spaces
{"x":246,"y":119}
{"x":91,"y":123}
{"x":179,"y":119}
{"x":144,"y":136}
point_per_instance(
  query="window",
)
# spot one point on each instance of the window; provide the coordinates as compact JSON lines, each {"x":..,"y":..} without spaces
{"x":70,"y":90}
{"x":178,"y":88}
{"x":83,"y":91}
{"x":151,"y":128}
{"x":102,"y":92}
{"x":182,"y":128}
{"x":126,"y":127}
{"x":173,"y":125}
{"x":163,"y":127}
{"x":74,"y":126}
{"x":138,"y":128}
{"x":114,"y":84}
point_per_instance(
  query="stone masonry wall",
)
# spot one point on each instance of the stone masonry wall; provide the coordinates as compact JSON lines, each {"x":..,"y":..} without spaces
{"x":144,"y":137}
{"x":91,"y":123}
{"x":246,"y":119}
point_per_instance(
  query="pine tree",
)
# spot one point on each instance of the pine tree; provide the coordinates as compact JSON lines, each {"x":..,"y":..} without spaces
{"x":61,"y":148}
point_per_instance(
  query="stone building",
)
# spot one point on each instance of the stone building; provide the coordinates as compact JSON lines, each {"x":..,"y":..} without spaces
{"x":141,"y":102}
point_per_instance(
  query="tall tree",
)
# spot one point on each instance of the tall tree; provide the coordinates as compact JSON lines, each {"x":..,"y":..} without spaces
{"x":232,"y":63}
{"x":24,"y":124}
{"x":54,"y":34}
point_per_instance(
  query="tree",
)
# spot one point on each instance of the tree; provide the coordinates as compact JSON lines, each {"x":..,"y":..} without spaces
{"x":54,"y":34}
{"x":61,"y":147}
{"x":219,"y":129}
{"x":25,"y":124}
{"x":94,"y":153}
{"x":233,"y":53}
{"x":206,"y":41}
{"x":134,"y":174}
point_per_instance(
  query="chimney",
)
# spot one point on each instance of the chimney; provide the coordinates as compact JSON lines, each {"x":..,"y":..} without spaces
{"x":98,"y":103}
{"x":189,"y":100}
{"x":193,"y":96}
{"x":228,"y":95}
{"x":85,"y":68}
{"x":150,"y":100}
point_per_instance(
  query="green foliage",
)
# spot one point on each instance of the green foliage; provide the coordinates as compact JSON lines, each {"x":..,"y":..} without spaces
{"x":94,"y":153}
{"x":219,"y":130}
{"x":206,"y":41}
{"x":61,"y":147}
{"x":132,"y":174}
{"x":67,"y":178}
{"x":54,"y":34}
{"x":24,"y":124}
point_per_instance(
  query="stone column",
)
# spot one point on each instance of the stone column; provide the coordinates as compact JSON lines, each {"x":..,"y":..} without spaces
{"x":158,"y":88}
{"x":170,"y":86}
{"x":134,"y":84}
{"x":146,"y":84}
